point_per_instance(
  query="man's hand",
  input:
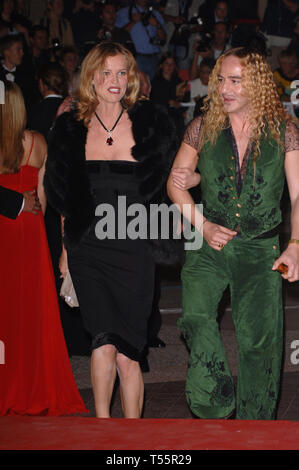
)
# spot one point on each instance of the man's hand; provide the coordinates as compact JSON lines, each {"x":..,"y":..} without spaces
{"x":100,"y":33}
{"x":153,"y":21}
{"x":217,"y":236}
{"x":207,"y":54}
{"x":32,"y":203}
{"x":290,"y":257}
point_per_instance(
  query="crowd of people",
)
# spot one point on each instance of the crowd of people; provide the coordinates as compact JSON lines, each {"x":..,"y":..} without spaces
{"x":188,"y":31}
{"x":123,"y":96}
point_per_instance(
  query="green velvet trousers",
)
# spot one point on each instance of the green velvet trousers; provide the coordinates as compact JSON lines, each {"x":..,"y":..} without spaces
{"x":257,"y":310}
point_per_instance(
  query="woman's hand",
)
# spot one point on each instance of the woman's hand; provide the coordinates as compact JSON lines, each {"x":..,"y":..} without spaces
{"x":65,"y":106}
{"x":217,"y":236}
{"x":63,"y":264}
{"x":184,"y":178}
{"x":289,"y":257}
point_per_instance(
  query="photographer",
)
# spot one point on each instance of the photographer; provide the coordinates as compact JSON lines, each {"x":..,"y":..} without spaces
{"x":147,"y":29}
{"x":60,"y":31}
{"x":168,"y":90}
{"x":213,"y":12}
{"x":109,"y":32}
{"x":182,"y":26}
{"x":39,"y":46}
{"x":14,"y":69}
{"x":84,"y":23}
{"x":210,"y":46}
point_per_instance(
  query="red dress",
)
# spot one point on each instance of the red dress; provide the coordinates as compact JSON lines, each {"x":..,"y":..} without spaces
{"x":35,"y":372}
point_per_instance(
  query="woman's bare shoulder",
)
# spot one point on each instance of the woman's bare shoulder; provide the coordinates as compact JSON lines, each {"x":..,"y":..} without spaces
{"x":39,"y":149}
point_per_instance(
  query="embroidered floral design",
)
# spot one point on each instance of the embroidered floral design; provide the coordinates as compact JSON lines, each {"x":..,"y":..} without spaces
{"x":265,"y":410}
{"x":223,"y":197}
{"x":255,"y":199}
{"x":215,"y":216}
{"x":223,"y":391}
{"x":263,"y":404}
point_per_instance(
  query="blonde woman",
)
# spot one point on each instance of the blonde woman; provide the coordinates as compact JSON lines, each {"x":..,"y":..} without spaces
{"x":36,"y":377}
{"x":243,"y":146}
{"x":112,"y":146}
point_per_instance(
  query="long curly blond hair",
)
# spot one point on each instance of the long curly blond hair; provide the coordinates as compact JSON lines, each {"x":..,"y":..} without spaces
{"x":266,"y":110}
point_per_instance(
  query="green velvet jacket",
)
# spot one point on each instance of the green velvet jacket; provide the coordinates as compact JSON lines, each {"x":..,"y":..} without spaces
{"x":256,"y":209}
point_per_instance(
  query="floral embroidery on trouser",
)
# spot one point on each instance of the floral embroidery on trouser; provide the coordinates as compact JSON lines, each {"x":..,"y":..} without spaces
{"x":258,"y":318}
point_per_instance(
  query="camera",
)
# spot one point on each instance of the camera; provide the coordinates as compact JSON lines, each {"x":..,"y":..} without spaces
{"x":146,"y":15}
{"x":55,"y":48}
{"x":185,"y":30}
{"x":107,"y":35}
{"x":204,"y":43}
{"x":56,"y":45}
{"x":155,"y":41}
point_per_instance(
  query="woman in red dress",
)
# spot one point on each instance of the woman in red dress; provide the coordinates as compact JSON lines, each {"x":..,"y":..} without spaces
{"x":35,"y":373}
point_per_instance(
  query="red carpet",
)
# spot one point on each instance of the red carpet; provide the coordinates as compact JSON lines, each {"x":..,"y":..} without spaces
{"x":41,"y":433}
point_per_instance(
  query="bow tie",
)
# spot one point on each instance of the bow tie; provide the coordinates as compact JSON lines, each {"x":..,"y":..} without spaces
{"x":10,"y":76}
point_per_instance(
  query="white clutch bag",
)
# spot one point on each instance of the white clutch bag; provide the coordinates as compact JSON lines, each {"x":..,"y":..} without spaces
{"x":67,"y":291}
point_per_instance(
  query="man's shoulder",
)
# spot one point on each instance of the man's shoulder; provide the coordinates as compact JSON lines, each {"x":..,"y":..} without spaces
{"x":158,"y":15}
{"x":123,"y":11}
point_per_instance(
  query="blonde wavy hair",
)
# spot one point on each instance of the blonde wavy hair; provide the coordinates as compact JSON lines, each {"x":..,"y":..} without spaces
{"x":13,"y":121}
{"x":95,"y":60}
{"x":266,"y":113}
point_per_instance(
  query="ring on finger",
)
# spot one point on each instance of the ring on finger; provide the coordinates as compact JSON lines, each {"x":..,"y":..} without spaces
{"x":220,"y":245}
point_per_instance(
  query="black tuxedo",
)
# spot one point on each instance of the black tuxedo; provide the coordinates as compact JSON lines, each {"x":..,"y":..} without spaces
{"x":24,"y":78}
{"x":41,"y":119}
{"x":10,"y":202}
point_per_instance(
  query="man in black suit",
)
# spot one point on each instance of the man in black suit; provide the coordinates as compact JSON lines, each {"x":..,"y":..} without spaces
{"x":52,"y":82}
{"x":212,"y":12}
{"x":13,"y":203}
{"x":13,"y":68}
{"x":39,"y":53}
{"x":108,"y":31}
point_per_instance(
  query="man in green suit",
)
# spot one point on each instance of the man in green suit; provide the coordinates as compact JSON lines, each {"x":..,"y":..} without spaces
{"x":244,"y":146}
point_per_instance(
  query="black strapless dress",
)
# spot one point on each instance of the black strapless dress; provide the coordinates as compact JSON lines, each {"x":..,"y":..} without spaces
{"x":114,"y":278}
